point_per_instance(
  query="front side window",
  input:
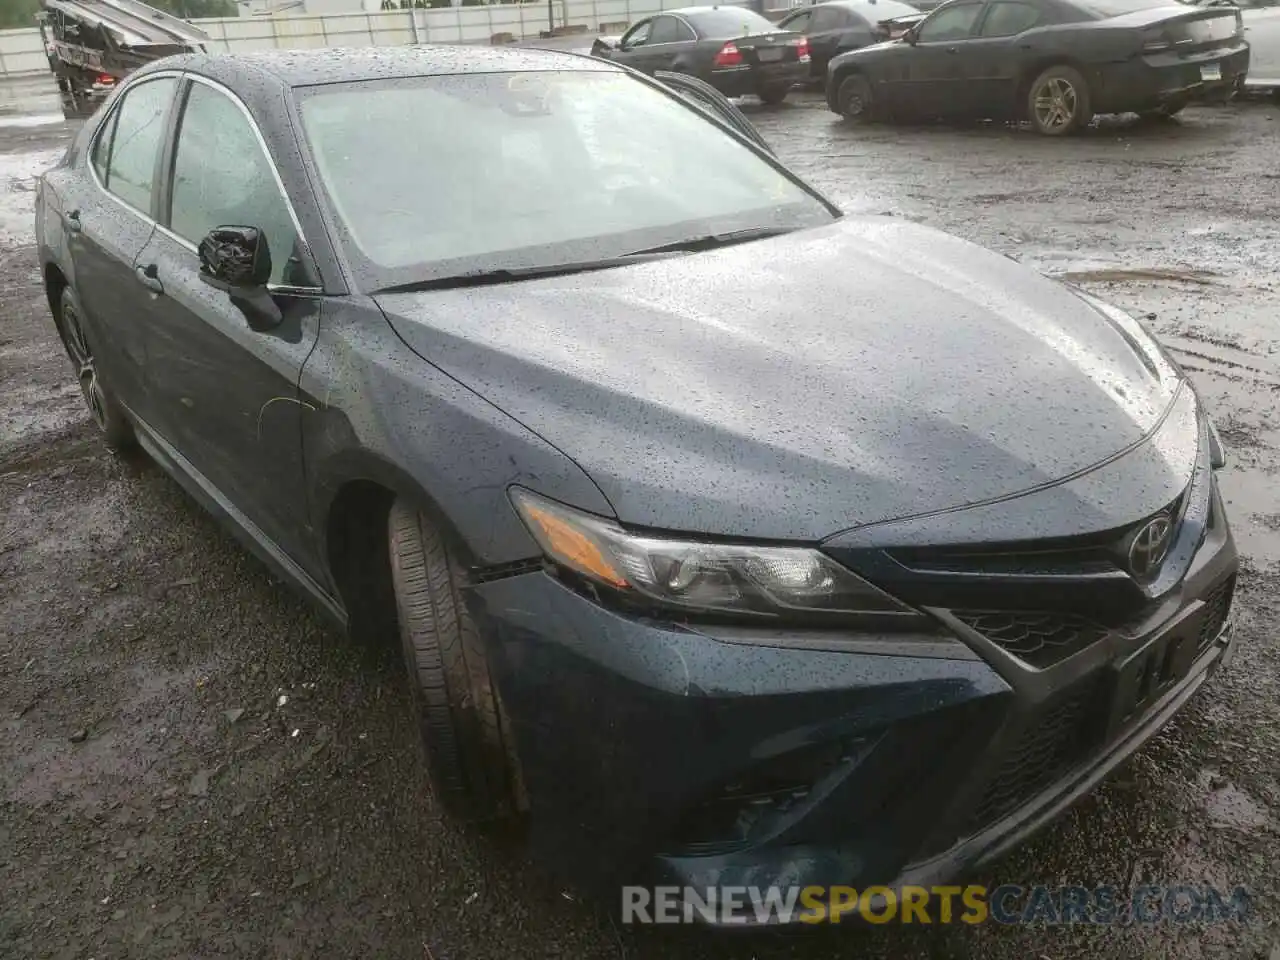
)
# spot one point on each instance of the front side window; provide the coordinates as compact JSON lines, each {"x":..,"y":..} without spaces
{"x":436,"y":176}
{"x":222,"y":178}
{"x":950,"y":23}
{"x":639,"y":34}
{"x":136,"y":134}
{"x":1006,"y":19}
{"x":798,"y":22}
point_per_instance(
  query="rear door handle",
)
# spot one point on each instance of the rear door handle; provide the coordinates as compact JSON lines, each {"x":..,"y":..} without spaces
{"x":149,"y":278}
{"x":72,"y":220}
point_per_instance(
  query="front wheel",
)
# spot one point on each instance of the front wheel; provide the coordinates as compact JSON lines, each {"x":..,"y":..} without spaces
{"x":470,"y":752}
{"x":853,"y":98}
{"x":774,"y":95}
{"x":107,"y":414}
{"x":1058,"y":102}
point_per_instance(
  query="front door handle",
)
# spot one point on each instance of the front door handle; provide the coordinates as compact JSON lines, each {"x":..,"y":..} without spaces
{"x":149,"y":277}
{"x":72,"y":221}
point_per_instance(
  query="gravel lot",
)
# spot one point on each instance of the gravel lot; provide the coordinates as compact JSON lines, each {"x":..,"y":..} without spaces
{"x":192,"y":765}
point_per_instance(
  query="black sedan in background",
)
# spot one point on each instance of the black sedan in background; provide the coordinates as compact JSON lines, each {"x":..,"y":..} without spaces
{"x":1055,"y":63}
{"x":852,"y":569}
{"x":734,"y":49}
{"x":837,"y":26}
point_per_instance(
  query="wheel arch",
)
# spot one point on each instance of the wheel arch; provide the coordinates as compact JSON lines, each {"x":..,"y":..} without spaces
{"x":1038,"y":65}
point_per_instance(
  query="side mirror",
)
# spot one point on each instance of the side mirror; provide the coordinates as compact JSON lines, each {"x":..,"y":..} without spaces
{"x":237,"y":261}
{"x":603,"y":44}
{"x":909,"y":36}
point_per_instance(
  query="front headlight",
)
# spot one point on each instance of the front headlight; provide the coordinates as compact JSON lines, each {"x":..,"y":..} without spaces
{"x":698,"y":576}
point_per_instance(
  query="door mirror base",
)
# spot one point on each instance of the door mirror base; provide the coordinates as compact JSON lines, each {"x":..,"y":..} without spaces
{"x":237,"y":261}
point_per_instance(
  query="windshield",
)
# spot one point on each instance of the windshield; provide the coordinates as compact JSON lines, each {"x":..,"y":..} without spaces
{"x":436,"y":176}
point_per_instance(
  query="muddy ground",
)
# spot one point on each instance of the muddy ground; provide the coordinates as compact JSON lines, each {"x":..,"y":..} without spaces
{"x":192,"y":765}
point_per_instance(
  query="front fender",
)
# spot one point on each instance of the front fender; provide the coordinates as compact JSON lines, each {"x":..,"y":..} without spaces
{"x":378,"y":412}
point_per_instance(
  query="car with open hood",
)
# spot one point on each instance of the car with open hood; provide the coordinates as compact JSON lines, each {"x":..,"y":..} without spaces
{"x":727,"y":539}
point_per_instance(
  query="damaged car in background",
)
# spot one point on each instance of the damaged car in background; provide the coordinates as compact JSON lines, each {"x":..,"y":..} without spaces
{"x":702,"y":574}
{"x":1054,"y":63}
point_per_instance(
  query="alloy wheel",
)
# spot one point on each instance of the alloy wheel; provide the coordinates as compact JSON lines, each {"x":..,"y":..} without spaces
{"x":1056,"y":103}
{"x":86,"y":369}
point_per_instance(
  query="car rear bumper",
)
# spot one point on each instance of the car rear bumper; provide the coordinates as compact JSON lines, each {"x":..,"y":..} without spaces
{"x":708,"y":758}
{"x":1150,"y":82}
{"x":747,"y":79}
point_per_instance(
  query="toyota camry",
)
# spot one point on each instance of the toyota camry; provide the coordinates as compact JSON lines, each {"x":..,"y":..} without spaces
{"x":728,"y":539}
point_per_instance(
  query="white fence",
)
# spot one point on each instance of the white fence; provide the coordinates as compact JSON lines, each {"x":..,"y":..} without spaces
{"x":22,"y":52}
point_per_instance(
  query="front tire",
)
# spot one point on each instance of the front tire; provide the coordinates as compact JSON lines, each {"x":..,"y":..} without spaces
{"x":774,"y":95}
{"x":853,"y":98}
{"x":470,"y":753}
{"x":1058,"y":102}
{"x":107,"y":414}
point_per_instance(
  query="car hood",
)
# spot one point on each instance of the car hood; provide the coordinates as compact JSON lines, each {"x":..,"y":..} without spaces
{"x":795,"y":387}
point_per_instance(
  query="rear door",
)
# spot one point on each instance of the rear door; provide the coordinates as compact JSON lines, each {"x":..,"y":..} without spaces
{"x":109,"y":222}
{"x":834,"y":30}
{"x":707,"y":98}
{"x":229,"y":393}
{"x":991,"y":61}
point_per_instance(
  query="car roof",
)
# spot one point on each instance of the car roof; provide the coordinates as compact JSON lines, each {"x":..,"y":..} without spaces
{"x":302,"y":68}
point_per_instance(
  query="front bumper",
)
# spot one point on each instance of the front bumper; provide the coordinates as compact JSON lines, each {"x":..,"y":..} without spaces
{"x":708,"y":757}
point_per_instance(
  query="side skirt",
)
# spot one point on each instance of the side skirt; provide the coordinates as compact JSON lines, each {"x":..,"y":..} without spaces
{"x":244,"y":529}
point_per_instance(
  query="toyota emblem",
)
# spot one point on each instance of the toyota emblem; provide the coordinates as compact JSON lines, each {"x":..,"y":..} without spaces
{"x":1149,"y":546}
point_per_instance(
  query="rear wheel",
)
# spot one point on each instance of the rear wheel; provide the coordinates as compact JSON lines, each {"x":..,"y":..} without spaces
{"x":470,"y":753}
{"x":853,"y":98}
{"x":1058,"y":101}
{"x":105,"y":410}
{"x":775,"y":94}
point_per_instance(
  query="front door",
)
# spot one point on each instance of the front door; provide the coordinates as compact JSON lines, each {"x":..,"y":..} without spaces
{"x":933,"y":81}
{"x":229,"y":395}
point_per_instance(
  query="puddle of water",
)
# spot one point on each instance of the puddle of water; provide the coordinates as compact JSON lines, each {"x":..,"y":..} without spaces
{"x":18,"y":172}
{"x":1229,"y":806}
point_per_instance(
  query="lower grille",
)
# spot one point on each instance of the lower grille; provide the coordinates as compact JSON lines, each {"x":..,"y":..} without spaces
{"x":1050,"y":744}
{"x":1217,"y":609}
{"x":1038,"y":639}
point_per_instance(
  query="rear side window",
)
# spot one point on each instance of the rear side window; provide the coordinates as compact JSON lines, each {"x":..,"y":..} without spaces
{"x":665,"y":30}
{"x":798,"y":22}
{"x":828,"y":18}
{"x":1005,"y":19}
{"x":136,"y":133}
{"x":222,"y":177}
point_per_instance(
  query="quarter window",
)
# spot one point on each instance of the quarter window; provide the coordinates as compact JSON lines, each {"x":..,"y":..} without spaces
{"x":222,"y":177}
{"x":1009,"y":19}
{"x":135,"y":137}
{"x":826,"y":18}
{"x":950,"y":23}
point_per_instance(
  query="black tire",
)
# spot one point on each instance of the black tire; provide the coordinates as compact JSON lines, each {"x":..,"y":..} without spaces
{"x":774,"y":95}
{"x":1058,"y":102}
{"x":853,"y":98}
{"x":470,"y":753}
{"x":104,"y":408}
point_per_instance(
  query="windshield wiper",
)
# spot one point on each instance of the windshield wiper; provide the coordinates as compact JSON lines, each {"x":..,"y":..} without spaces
{"x":713,"y":240}
{"x":479,"y":278}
